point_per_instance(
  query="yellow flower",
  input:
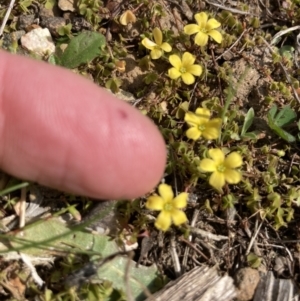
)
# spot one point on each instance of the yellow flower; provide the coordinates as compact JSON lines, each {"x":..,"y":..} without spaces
{"x":184,"y":68}
{"x":169,"y":207}
{"x":204,"y":29}
{"x":222,"y":168}
{"x":201,"y":125}
{"x":127,"y":17}
{"x":157,"y":48}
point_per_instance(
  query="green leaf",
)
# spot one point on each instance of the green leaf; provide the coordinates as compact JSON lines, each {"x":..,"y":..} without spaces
{"x":46,"y":238}
{"x":150,"y":78}
{"x":287,"y":51}
{"x":282,"y":133}
{"x":253,"y":260}
{"x":284,"y":117}
{"x":52,"y":60}
{"x":182,"y":109}
{"x":248,"y":121}
{"x":14,"y":188}
{"x":24,"y":4}
{"x":114,"y":271}
{"x":50,"y":4}
{"x":289,"y":214}
{"x":113,"y":84}
{"x":250,"y":135}
{"x":82,"y":49}
{"x":278,"y":218}
{"x":235,"y":136}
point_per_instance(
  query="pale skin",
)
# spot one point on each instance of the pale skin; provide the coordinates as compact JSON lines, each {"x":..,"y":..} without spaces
{"x":63,"y":131}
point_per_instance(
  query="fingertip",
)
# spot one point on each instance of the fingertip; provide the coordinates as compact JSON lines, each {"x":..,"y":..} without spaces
{"x":65,"y":132}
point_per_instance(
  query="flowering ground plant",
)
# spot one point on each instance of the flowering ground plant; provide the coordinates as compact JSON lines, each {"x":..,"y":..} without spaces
{"x":224,"y":93}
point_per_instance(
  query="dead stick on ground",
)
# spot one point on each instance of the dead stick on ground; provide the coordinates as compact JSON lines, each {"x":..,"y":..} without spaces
{"x":208,"y":235}
{"x":27,"y":261}
{"x":22,"y":212}
{"x":187,"y":248}
{"x":10,"y":7}
{"x":174,"y":256}
{"x":253,"y":238}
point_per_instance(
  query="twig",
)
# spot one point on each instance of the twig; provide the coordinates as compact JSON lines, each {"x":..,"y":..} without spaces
{"x":281,"y":33}
{"x":137,"y":101}
{"x":187,"y":248}
{"x":233,"y":10}
{"x":193,"y":92}
{"x":10,"y":7}
{"x":208,"y":235}
{"x":175,"y":184}
{"x":26,"y":260}
{"x":266,"y":8}
{"x":194,"y":248}
{"x":174,"y":256}
{"x":22,"y":207}
{"x":279,"y":247}
{"x":254,"y":237}
{"x":233,"y":45}
{"x":291,"y":164}
{"x":194,"y":220}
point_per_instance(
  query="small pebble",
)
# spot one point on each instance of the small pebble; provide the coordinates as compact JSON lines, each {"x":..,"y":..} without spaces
{"x":66,"y":5}
{"x":24,"y":21}
{"x":246,"y":280}
{"x":53,"y":24}
{"x":39,"y":41}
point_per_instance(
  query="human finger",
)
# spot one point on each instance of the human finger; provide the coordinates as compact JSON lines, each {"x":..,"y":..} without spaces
{"x":63,"y":131}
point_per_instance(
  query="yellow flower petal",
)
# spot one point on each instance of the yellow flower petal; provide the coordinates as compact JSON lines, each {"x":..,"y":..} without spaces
{"x":195,"y":70}
{"x":178,"y":217}
{"x":201,"y":19}
{"x":156,"y":53}
{"x":207,"y":165}
{"x":212,"y":129}
{"x":175,"y":61}
{"x":174,"y":73}
{"x":163,"y":221}
{"x":193,"y":133}
{"x":212,"y":24}
{"x":217,"y":180}
{"x":191,"y":118}
{"x":215,"y":35}
{"x":181,"y":200}
{"x":215,"y":122}
{"x":191,"y":29}
{"x":188,"y":78}
{"x":203,"y":120}
{"x":166,"y":192}
{"x":148,"y":44}
{"x":166,"y":47}
{"x":157,"y":34}
{"x":187,"y":60}
{"x":155,"y":202}
{"x":127,"y":17}
{"x":201,"y":38}
{"x":211,"y":133}
{"x":203,"y":113}
{"x":233,"y":160}
{"x":217,"y":155}
{"x":232,"y":176}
